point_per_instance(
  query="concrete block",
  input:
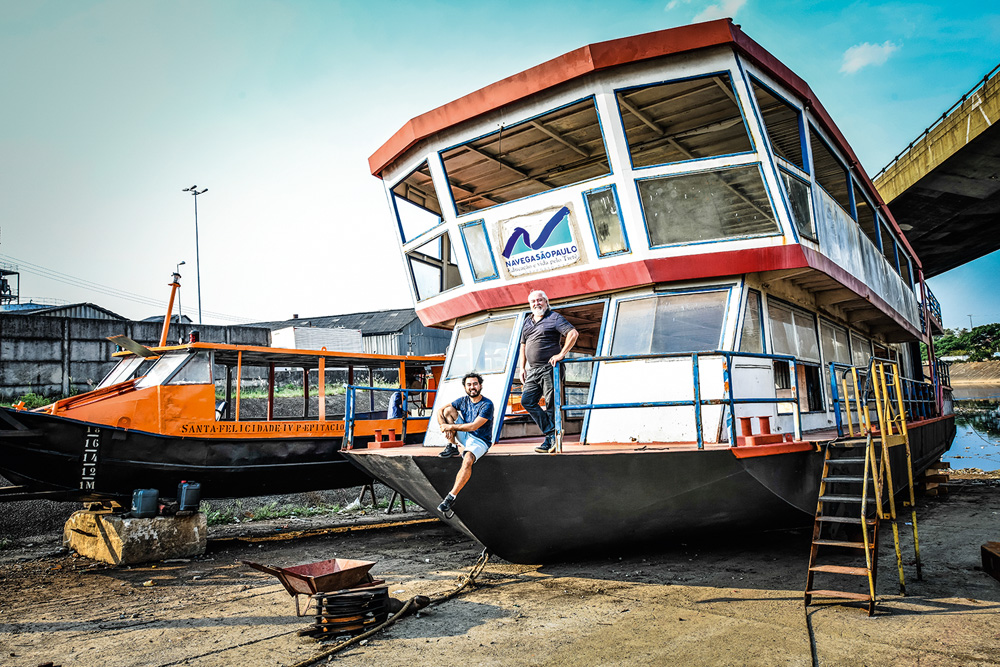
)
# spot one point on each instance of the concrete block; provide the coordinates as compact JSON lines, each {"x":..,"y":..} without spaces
{"x":115,"y":539}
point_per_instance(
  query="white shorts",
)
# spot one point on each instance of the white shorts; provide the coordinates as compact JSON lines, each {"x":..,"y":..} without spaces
{"x":472,"y":443}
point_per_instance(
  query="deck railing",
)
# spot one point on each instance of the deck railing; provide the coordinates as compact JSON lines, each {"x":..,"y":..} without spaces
{"x":933,"y":305}
{"x":697,"y":402}
{"x":350,"y":418}
{"x":919,"y":401}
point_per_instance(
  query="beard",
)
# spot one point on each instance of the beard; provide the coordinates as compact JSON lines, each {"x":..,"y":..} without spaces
{"x":472,"y":392}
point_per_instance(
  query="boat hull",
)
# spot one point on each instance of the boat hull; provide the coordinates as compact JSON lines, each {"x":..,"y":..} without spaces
{"x":531,"y":508}
{"x":78,"y":460}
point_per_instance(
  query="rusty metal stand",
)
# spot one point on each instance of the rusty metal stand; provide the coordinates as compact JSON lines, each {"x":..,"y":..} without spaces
{"x":392,"y":501}
{"x":370,"y":488}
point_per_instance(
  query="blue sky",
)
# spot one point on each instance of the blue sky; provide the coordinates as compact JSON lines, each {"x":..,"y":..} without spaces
{"x":112,"y":107}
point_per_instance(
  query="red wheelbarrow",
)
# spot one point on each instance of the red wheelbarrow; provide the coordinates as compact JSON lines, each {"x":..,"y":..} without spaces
{"x":321,"y":577}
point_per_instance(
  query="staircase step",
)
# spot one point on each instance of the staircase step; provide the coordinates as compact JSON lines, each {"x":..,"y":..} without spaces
{"x":847,"y":460}
{"x":843,"y":478}
{"x":839,"y":594}
{"x":840,"y":543}
{"x":856,"y":520}
{"x":840,"y":569}
{"x":841,"y":499}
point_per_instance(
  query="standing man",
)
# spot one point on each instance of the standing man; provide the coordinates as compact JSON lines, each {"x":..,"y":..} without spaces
{"x":470,"y":420}
{"x":540,"y":352}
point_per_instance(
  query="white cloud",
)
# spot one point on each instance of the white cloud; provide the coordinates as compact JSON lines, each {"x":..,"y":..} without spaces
{"x":720,"y":10}
{"x":863,"y":55}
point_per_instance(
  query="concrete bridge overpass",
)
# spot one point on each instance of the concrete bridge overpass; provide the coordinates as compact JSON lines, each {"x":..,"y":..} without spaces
{"x":944,"y":188}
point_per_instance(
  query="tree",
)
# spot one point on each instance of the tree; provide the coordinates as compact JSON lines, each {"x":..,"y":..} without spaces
{"x":984,"y":342}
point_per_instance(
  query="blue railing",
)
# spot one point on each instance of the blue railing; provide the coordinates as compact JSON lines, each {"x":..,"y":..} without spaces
{"x":349,"y":403}
{"x":697,"y":402}
{"x":932,"y":304}
{"x":919,"y":397}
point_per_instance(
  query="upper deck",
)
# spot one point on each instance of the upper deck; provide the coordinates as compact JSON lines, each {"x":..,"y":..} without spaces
{"x":673,"y":156}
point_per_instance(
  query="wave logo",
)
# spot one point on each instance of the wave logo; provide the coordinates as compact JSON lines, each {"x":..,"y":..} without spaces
{"x":553,"y":245}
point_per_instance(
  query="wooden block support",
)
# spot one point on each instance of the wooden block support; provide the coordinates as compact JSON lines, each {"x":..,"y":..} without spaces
{"x":115,"y":539}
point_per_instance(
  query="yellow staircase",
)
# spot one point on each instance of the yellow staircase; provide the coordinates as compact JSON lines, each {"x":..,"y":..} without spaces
{"x":855,"y":492}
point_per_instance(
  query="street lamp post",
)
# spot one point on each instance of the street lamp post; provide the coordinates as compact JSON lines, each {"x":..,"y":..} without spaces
{"x":177,"y":272}
{"x":197,"y":255}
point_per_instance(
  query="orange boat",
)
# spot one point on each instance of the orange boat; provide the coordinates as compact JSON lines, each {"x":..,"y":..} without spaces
{"x":213,"y":413}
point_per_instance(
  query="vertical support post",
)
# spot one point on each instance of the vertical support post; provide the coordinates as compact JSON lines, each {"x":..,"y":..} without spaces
{"x":697,"y":400}
{"x":229,"y":391}
{"x":270,"y":392}
{"x":239,"y":381}
{"x":836,"y":400}
{"x":728,"y":379}
{"x":305,"y":393}
{"x":557,"y":404}
{"x":321,"y":390}
{"x":796,"y":411}
{"x":349,"y":417}
{"x":403,"y":386}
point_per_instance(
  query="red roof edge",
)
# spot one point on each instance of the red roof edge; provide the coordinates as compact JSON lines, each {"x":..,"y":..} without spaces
{"x":612,"y":53}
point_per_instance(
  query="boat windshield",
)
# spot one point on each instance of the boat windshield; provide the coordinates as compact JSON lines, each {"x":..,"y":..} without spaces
{"x":126,"y":369}
{"x":179,"y":368}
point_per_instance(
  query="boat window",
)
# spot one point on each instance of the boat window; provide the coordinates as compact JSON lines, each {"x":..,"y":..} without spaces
{"x":126,"y":369}
{"x":558,"y":148}
{"x":606,"y":219}
{"x":416,"y":203}
{"x":861,"y":350}
{"x":836,"y":348}
{"x":888,"y":245}
{"x":477,"y":244}
{"x":433,"y":268}
{"x":866,"y":216}
{"x":197,"y":370}
{"x":669,"y":323}
{"x":793,"y":331}
{"x":163,"y":369}
{"x":482,"y":348}
{"x":799,"y":201}
{"x":682,"y":120}
{"x":752,"y":339}
{"x":706,"y":206}
{"x":807,"y":379}
{"x":781,"y":120}
{"x":830,"y":171}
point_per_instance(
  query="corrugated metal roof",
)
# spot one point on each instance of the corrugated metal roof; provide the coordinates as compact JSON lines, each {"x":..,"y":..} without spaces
{"x":82,"y":310}
{"x":369,"y":324}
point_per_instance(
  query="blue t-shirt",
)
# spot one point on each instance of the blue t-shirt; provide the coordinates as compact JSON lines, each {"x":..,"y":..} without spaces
{"x":396,"y":410}
{"x":470,"y":412}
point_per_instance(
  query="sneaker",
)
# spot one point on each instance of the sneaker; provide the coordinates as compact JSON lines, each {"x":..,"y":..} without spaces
{"x":449,"y":451}
{"x":546,"y":447}
{"x":445,"y":506}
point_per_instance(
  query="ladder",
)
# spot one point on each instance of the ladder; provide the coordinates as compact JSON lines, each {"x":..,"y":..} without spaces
{"x":856,"y":488}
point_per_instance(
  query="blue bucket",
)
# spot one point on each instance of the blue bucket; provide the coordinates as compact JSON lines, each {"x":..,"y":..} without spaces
{"x":145,"y":503}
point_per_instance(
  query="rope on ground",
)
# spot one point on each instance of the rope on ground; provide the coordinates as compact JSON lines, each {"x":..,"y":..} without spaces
{"x":464,"y":583}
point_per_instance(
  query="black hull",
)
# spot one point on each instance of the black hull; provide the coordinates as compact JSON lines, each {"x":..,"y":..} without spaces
{"x":59,"y":455}
{"x":530,"y":508}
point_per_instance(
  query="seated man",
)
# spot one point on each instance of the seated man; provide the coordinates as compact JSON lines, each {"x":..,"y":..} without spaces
{"x":468,"y":419}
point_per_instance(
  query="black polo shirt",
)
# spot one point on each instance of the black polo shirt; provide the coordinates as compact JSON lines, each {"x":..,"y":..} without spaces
{"x":541,"y":338}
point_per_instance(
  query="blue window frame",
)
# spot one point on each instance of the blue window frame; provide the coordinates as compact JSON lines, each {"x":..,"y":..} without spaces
{"x":478,"y":249}
{"x":415,"y":203}
{"x":606,"y":225}
{"x":683,"y":119}
{"x":706,"y":206}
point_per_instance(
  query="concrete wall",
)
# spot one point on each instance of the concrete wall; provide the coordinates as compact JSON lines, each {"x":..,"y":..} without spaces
{"x":57,"y":356}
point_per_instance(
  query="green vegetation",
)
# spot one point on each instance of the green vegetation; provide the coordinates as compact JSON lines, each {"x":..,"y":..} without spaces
{"x":31,"y":401}
{"x":980,"y":344}
{"x":237,"y":514}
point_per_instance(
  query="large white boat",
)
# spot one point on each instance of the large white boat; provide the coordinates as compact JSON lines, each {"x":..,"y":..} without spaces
{"x":689,"y":205}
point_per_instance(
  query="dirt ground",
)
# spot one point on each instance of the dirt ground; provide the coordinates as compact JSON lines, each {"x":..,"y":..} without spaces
{"x":735,"y":601}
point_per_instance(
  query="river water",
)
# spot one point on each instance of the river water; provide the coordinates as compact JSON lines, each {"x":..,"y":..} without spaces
{"x":977,"y":422}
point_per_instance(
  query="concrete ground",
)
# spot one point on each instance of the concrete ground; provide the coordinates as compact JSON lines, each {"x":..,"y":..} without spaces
{"x":734,"y":601}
